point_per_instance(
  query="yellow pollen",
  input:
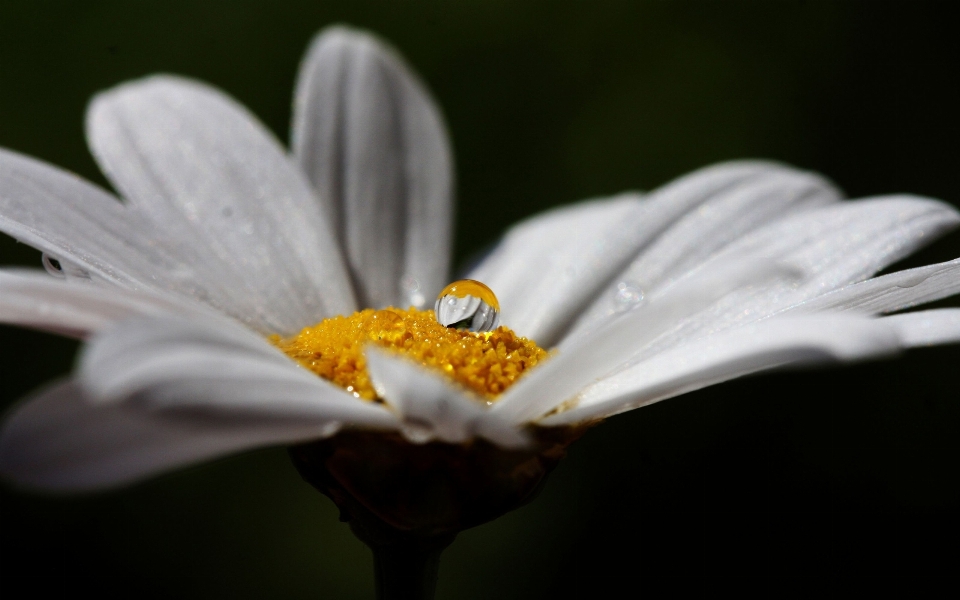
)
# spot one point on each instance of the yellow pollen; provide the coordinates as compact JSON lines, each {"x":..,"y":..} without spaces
{"x":487,"y":363}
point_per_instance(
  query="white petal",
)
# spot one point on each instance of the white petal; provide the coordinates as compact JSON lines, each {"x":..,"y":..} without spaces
{"x":852,"y":240}
{"x":549,"y":267}
{"x":582,"y":360}
{"x":733,"y":353}
{"x":59,"y":441}
{"x":831,"y":246}
{"x":726,"y":216}
{"x":97,"y":237}
{"x":212,"y":367}
{"x":71,"y":219}
{"x":889,"y":293}
{"x":927,"y":327}
{"x":34,"y":299}
{"x":201,"y":165}
{"x":374,"y":145}
{"x":433,"y":408}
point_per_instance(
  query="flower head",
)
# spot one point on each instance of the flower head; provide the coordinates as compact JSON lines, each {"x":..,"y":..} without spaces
{"x":238,"y":296}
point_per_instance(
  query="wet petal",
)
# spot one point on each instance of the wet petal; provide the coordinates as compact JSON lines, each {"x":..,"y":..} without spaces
{"x":74,"y":221}
{"x":725,"y":217}
{"x":59,"y":441}
{"x":850,"y":241}
{"x":199,"y":164}
{"x":777,"y":342}
{"x":374,"y":144}
{"x":892,"y":292}
{"x":433,"y":408}
{"x":831,"y":246}
{"x":582,"y":360}
{"x":211,"y":367}
{"x":927,"y":327}
{"x":34,"y":299}
{"x":548,"y":269}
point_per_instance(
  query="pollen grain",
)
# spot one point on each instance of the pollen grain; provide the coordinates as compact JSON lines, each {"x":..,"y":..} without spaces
{"x":486,"y":363}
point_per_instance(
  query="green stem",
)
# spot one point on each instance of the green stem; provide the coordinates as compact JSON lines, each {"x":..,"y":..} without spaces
{"x":406,"y":572}
{"x":408,"y":501}
{"x":405,"y":565}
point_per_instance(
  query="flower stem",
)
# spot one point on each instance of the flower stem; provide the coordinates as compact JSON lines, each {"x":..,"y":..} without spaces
{"x":406,"y":571}
{"x":407,"y":502}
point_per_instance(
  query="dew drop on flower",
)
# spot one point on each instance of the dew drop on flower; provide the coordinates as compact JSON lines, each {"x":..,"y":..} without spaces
{"x":63,"y":269}
{"x":468,"y":304}
{"x":626,"y":296}
{"x":52,"y":265}
{"x":411,"y":291}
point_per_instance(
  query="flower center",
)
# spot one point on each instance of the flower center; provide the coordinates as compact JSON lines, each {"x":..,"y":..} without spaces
{"x":486,"y":363}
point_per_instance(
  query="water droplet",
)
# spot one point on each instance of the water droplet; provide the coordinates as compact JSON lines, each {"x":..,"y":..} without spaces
{"x":909,"y":281}
{"x":411,"y":291}
{"x":386,"y":318}
{"x":63,"y":269}
{"x":417,"y":430}
{"x":329,"y":428}
{"x":627,"y":296}
{"x":468,"y":304}
{"x":53,"y":266}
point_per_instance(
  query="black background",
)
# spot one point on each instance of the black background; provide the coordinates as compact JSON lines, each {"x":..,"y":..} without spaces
{"x":790,"y":483}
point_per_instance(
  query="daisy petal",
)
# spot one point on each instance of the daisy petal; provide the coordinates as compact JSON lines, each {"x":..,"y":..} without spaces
{"x":34,"y":299}
{"x":927,"y":327}
{"x":889,"y":293}
{"x":374,"y":144}
{"x":582,"y":360}
{"x":93,"y":236}
{"x":725,"y":217}
{"x":548,"y":268}
{"x":204,"y":169}
{"x":59,"y":441}
{"x":75,"y":221}
{"x":847,"y":242}
{"x":830,"y":246}
{"x":765,"y":345}
{"x":215,"y":368}
{"x":432,"y":408}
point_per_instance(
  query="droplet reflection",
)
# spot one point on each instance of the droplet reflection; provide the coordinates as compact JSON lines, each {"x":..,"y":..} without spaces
{"x":412,"y":291}
{"x":627,"y":296}
{"x":468,"y":304}
{"x":52,"y":265}
{"x":63,"y":269}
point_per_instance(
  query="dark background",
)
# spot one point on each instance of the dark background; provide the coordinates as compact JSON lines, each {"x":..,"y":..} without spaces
{"x":844,"y":479}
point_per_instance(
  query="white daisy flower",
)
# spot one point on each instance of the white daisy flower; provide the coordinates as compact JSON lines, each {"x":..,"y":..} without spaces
{"x":200,"y":292}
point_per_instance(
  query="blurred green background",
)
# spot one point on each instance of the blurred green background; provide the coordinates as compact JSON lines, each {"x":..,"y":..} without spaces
{"x":763,"y":486}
